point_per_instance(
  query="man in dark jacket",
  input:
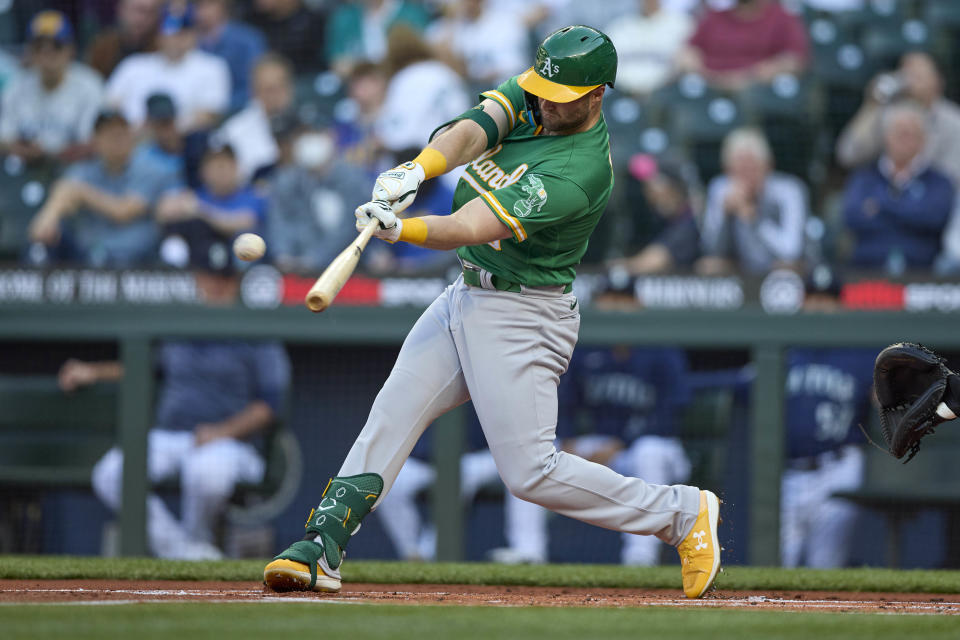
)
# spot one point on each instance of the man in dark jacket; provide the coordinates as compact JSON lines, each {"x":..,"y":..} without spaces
{"x":897,"y":207}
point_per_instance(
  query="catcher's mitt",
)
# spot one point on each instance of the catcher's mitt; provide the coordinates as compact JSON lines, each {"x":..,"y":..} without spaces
{"x":910,"y":382}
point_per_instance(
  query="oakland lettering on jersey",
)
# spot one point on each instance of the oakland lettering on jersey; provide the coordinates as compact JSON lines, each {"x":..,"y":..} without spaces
{"x":491,"y":173}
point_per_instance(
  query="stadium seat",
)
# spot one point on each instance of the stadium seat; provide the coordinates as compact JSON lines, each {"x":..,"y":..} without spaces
{"x":843,"y":71}
{"x":22,"y":192}
{"x":899,"y":491}
{"x":317,"y":96}
{"x":875,"y":13}
{"x":789,"y":114}
{"x":625,"y":119}
{"x":884,"y":45}
{"x":700,"y":129}
{"x":689,"y":91}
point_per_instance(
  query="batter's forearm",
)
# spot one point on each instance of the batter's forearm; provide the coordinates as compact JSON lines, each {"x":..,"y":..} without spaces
{"x":472,"y":224}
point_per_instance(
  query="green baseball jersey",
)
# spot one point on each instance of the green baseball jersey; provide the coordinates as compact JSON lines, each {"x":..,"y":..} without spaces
{"x":550,"y":191}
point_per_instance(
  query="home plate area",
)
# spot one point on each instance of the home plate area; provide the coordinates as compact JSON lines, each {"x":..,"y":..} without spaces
{"x":118,"y":591}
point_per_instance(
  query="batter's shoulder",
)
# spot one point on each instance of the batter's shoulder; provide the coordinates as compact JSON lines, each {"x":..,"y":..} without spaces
{"x":510,"y":97}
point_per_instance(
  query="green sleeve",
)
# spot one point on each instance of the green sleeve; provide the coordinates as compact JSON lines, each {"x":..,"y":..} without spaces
{"x":510,"y":97}
{"x":535,"y":202}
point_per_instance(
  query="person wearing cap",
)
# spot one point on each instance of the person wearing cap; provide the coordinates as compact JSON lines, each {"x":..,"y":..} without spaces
{"x":48,"y":110}
{"x":216,"y":399}
{"x":99,"y":213}
{"x":198,"y":82}
{"x":537,"y":179}
{"x":238,"y":44}
{"x":223,"y":201}
{"x":167,"y":145}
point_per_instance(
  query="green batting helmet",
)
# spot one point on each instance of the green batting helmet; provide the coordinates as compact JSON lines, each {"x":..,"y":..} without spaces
{"x":571,"y":62}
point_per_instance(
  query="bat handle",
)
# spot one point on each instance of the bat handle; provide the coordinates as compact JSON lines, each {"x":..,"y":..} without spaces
{"x":364,"y":236}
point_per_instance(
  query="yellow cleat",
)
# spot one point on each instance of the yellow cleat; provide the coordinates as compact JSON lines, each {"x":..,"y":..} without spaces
{"x":289,"y":575}
{"x":700,"y":550}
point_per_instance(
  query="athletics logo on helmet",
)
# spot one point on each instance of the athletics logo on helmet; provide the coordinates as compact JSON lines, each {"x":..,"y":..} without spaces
{"x":570,"y":63}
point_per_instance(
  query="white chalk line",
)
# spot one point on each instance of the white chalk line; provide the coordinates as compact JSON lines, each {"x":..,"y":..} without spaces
{"x":247,"y":595}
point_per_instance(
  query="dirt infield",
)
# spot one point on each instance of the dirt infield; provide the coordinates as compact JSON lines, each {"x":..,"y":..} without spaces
{"x":115,"y":591}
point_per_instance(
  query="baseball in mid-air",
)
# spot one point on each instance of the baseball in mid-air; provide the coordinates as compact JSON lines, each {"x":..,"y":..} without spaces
{"x":249,"y":246}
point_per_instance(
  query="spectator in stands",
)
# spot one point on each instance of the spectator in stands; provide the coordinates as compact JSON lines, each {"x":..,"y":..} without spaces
{"x":311,"y":204}
{"x":214,"y":401}
{"x":421,"y":93}
{"x":238,"y":44}
{"x":358,"y":30}
{"x":917,"y":79}
{"x":484,"y":44}
{"x":828,"y":392}
{"x":135,"y":32}
{"x":755,"y":216}
{"x":166,"y":145}
{"x":250,"y":131}
{"x":99,"y":213}
{"x":648,"y":43}
{"x":198,"y":82}
{"x":367,"y":88}
{"x":898,"y":206}
{"x":293,"y":31}
{"x":671,"y":239}
{"x":48,"y":110}
{"x":223,"y":201}
{"x":750,"y":43}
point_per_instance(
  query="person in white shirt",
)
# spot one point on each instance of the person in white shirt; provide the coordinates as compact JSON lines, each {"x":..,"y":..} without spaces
{"x":249,"y":132}
{"x":647,"y":44}
{"x":755,"y":217}
{"x":421,"y":92}
{"x":487,"y":45}
{"x":48,"y":109}
{"x":198,"y":82}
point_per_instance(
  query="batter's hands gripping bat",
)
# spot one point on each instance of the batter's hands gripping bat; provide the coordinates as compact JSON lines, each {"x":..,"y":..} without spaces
{"x":328,"y":285}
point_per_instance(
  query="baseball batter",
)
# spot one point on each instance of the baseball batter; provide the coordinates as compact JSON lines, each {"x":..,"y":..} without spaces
{"x":537,"y":181}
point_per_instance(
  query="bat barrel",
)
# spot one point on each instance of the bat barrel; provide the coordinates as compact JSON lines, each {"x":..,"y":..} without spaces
{"x":328,"y":285}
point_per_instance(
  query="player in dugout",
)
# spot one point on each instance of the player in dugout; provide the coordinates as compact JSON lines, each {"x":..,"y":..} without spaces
{"x":216,"y":399}
{"x":537,"y":180}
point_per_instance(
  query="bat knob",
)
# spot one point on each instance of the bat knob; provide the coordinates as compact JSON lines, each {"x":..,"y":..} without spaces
{"x":317,"y":302}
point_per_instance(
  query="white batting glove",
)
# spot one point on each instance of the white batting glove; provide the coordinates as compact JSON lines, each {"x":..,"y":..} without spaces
{"x":399,"y":185}
{"x":390,"y":224}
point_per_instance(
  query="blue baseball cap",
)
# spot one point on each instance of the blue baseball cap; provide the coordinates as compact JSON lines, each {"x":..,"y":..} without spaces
{"x":51,"y":25}
{"x":176,"y":19}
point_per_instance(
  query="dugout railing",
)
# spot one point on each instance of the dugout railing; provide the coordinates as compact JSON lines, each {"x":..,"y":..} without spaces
{"x":765,"y":336}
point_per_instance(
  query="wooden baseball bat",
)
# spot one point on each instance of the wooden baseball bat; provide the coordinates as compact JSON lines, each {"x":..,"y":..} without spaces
{"x":328,"y":285}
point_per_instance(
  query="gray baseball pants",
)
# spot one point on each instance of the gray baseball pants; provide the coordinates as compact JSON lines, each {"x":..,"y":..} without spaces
{"x":507,"y":352}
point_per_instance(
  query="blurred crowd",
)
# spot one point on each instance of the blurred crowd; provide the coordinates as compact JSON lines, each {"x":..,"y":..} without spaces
{"x":746,"y":135}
